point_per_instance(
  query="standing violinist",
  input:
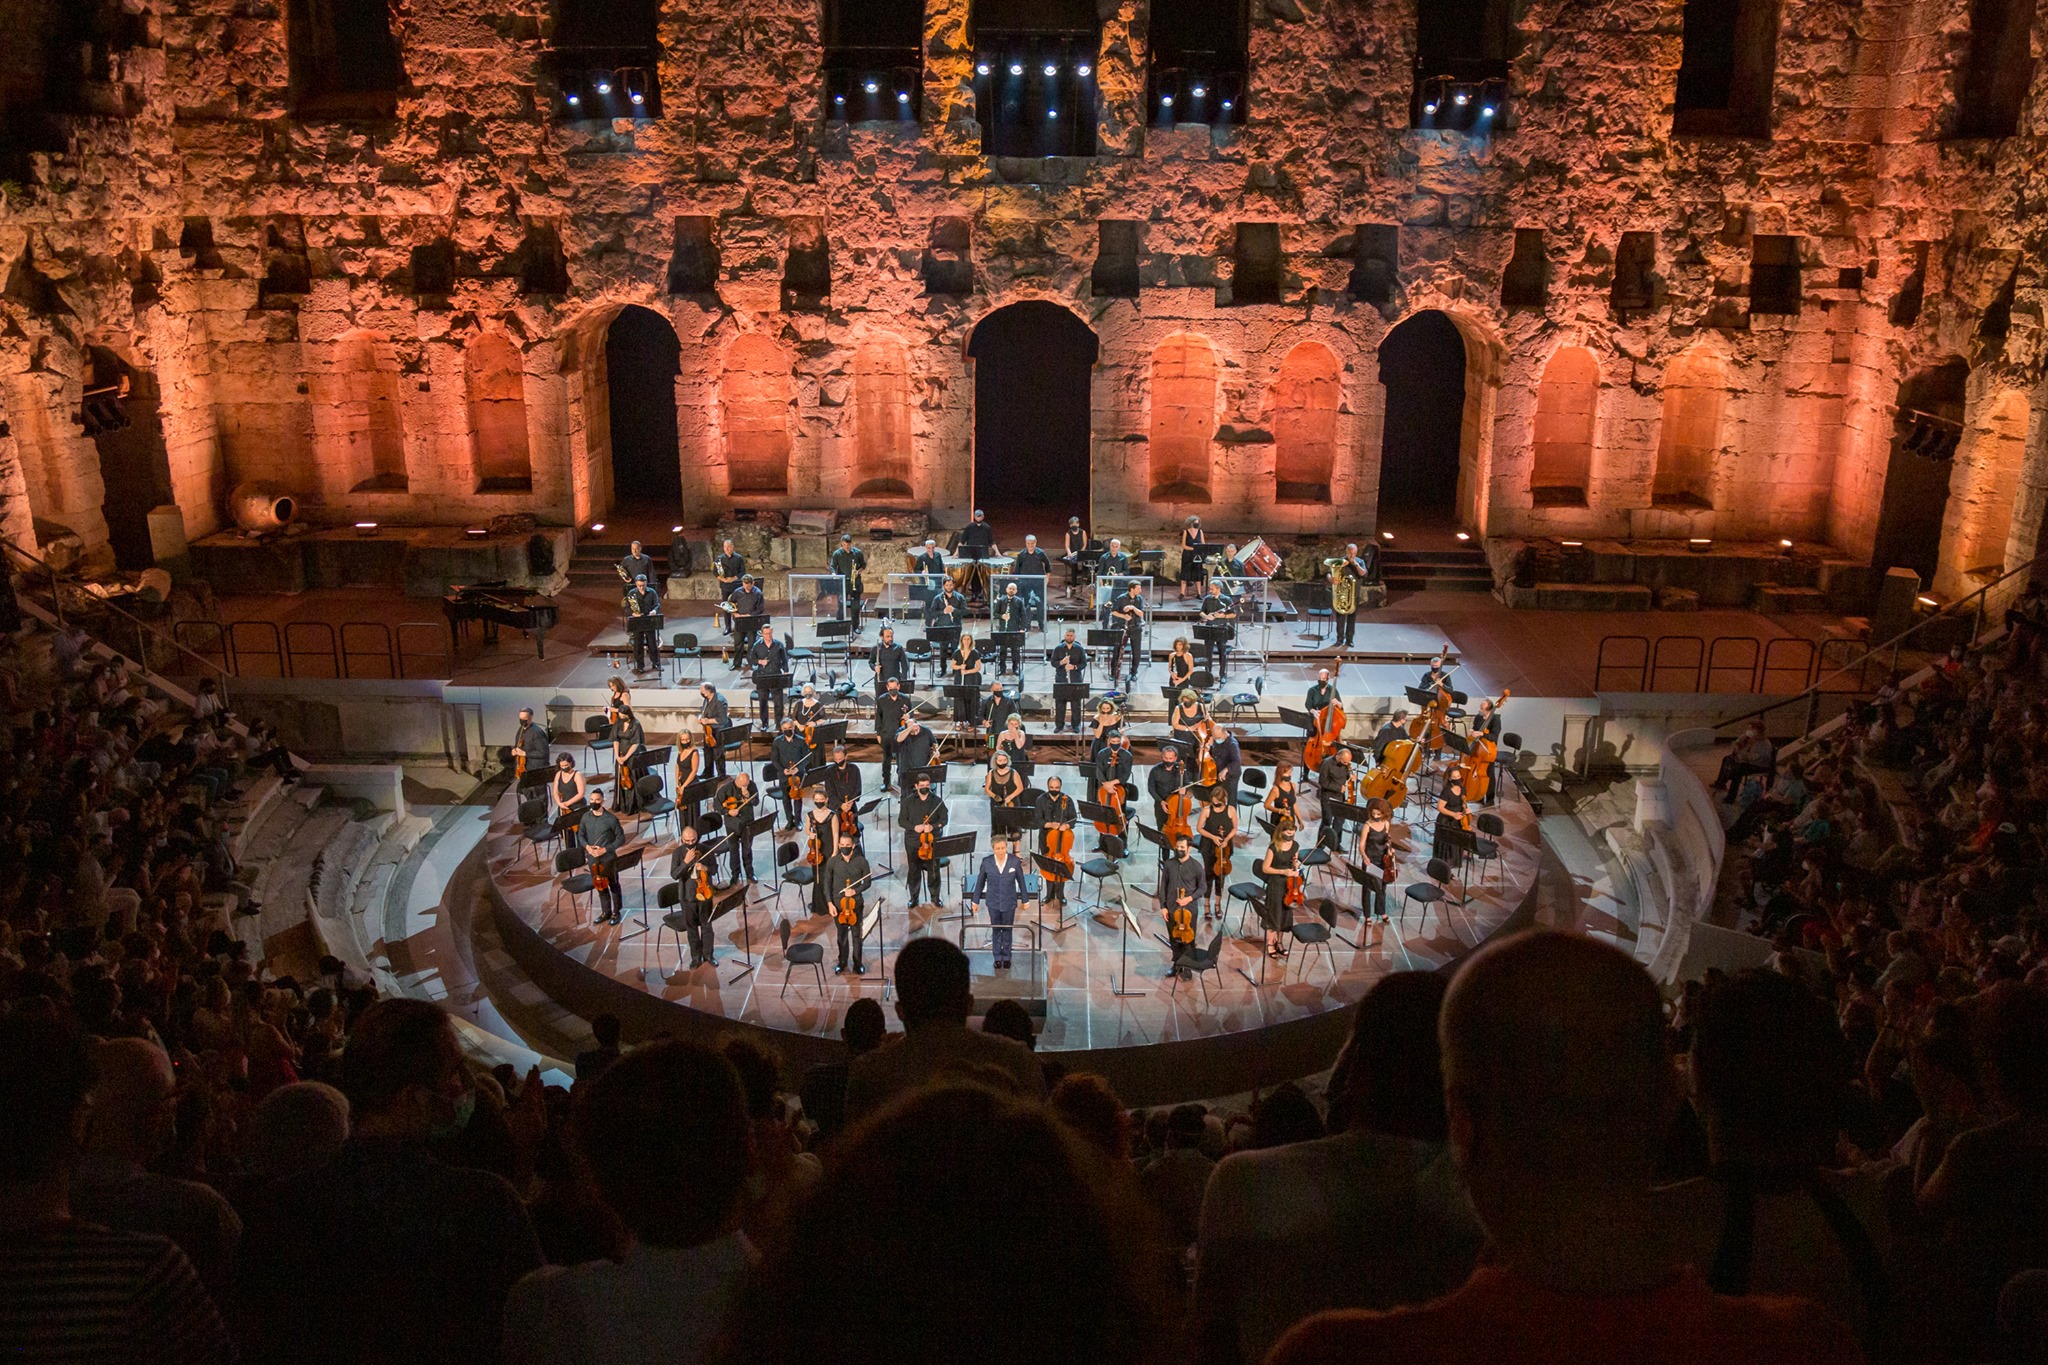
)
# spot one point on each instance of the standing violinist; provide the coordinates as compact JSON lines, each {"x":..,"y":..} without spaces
{"x":529,"y":744}
{"x":1218,"y":832}
{"x":846,"y":825}
{"x":1056,"y":814}
{"x":890,"y":709}
{"x":714,"y":715}
{"x":923,"y":817}
{"x":819,"y":839}
{"x":842,"y":778}
{"x":1180,"y":893}
{"x":1283,"y":799}
{"x":1280,"y":867}
{"x":1334,"y":783}
{"x":629,"y":749}
{"x":790,"y":756}
{"x":600,"y":834}
{"x":691,"y":870}
{"x":845,"y":878}
{"x":1376,"y":851}
{"x":737,"y":797}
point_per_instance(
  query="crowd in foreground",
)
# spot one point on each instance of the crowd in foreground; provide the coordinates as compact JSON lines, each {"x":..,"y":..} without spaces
{"x":1533,"y":1159}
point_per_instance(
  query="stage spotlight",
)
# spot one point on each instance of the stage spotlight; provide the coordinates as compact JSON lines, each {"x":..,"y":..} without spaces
{"x":1200,"y":91}
{"x":635,"y":83}
{"x":1052,"y":68}
{"x":572,"y":99}
{"x":871,"y":86}
{"x":1386,"y":535}
{"x":981,"y":68}
{"x":1924,"y":600}
{"x":903,"y":97}
{"x":1429,"y":108}
{"x":604,"y":83}
{"x":366,"y":529}
{"x":1083,"y":69}
{"x":1166,"y":100}
{"x":1052,"y":113}
{"x":839,"y":99}
{"x":1486,"y":111}
{"x":596,"y":526}
{"x":1016,"y":68}
{"x":1699,"y":545}
{"x":1461,"y":98}
{"x":1228,"y":105}
{"x":1464,"y":535}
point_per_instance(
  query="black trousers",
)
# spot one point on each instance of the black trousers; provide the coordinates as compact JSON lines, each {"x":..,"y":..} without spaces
{"x":1127,"y":638}
{"x":1373,"y":900}
{"x":963,"y":709}
{"x":1066,"y":711}
{"x":849,"y":940}
{"x":853,"y":605}
{"x":925,"y":869}
{"x":1347,"y":626}
{"x":646,"y":649}
{"x":1009,"y":658}
{"x":701,"y":943}
{"x":605,"y":874}
{"x":1330,"y":834}
{"x":765,"y":701}
{"x":742,"y":858}
{"x":1219,"y":658}
{"x":888,"y":759}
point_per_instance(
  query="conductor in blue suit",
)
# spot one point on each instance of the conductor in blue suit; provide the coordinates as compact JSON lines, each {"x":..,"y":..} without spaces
{"x":1001,"y":888}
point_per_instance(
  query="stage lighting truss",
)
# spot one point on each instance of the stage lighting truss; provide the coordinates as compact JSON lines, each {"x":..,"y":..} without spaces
{"x":1196,"y":94}
{"x":1030,"y":86}
{"x":859,"y":92}
{"x":1927,"y":435}
{"x":1450,"y":104}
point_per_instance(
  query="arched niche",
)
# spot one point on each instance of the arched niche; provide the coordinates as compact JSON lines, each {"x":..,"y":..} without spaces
{"x":1689,"y":436}
{"x":1567,"y":416}
{"x":495,"y":379}
{"x":1182,"y":424}
{"x":881,"y":419}
{"x":754,"y":399}
{"x":1306,"y":397}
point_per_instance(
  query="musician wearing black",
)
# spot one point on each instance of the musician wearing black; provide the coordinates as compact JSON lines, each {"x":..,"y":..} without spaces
{"x":914,"y":746}
{"x":1218,"y":609}
{"x":945,"y":611}
{"x":1333,"y":783}
{"x":1127,"y":618}
{"x":1181,"y":722}
{"x":567,"y":790}
{"x":850,"y":562}
{"x":1032,"y":562}
{"x":965,"y":666}
{"x":714,"y":715}
{"x":693,"y":765}
{"x":924,"y":812}
{"x":997,"y":710}
{"x":696,"y":901}
{"x":1114,"y":562}
{"x":890,"y":709}
{"x":975,"y":541}
{"x":1008,"y":617}
{"x":845,"y":879}
{"x":818,"y":835}
{"x":790,"y":757}
{"x":890,"y":660}
{"x":643,"y":624}
{"x":768,"y":660}
{"x":637,"y":564}
{"x":730,"y":567}
{"x":746,"y":601}
{"x":1012,"y":740}
{"x":1229,"y":761}
{"x":529,"y":745}
{"x":841,"y":778}
{"x":1320,"y":694}
{"x":1376,"y":850}
{"x":1069,"y":665}
{"x":599,"y":834}
{"x":1180,"y":897}
{"x":1180,"y":665}
{"x":629,"y":743}
{"x":932,"y":566}
{"x":737,"y":800}
{"x":1115,"y":763}
{"x":809,"y":712}
{"x":1076,"y":545}
{"x":1395,"y":728}
{"x":1003,"y":785}
{"x":846,"y":825}
{"x":1194,"y":551}
{"x":1435,"y":676}
{"x":1168,"y":776}
{"x":1356,"y":570}
{"x":1056,"y":810}
{"x":1450,"y":816}
{"x":678,"y":554}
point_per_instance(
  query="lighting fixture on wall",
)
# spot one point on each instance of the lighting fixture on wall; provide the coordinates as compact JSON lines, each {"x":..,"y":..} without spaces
{"x":981,"y":68}
{"x":1083,"y":69}
{"x":604,"y":83}
{"x":1016,"y":68}
{"x":634,"y":82}
{"x":1386,"y":535}
{"x":1052,"y":68}
{"x":366,"y":529}
{"x":596,"y":526}
{"x":475,"y":532}
{"x":1699,"y":545}
{"x":872,"y":86}
{"x":1464,"y":535}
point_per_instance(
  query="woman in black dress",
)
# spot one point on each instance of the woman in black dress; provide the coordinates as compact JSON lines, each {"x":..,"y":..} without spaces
{"x":1193,"y":550}
{"x":1186,"y":718}
{"x":1219,"y":830}
{"x":966,"y":666}
{"x":1180,"y":665}
{"x":1450,"y":815}
{"x":1282,"y":858}
{"x":1376,"y":850}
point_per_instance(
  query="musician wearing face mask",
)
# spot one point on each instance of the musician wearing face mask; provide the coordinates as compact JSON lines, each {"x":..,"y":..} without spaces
{"x":819,"y":840}
{"x":737,"y":800}
{"x":845,"y":881}
{"x":841,"y":777}
{"x":1334,"y":782}
{"x":923,"y":821}
{"x":850,"y":562}
{"x":1056,"y":816}
{"x":714,"y":715}
{"x":691,"y":870}
{"x":600,"y":834}
{"x":1218,"y":611}
{"x":890,"y":710}
{"x":790,"y":757}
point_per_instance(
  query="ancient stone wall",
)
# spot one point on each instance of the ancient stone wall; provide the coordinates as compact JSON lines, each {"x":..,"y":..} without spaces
{"x":311,"y":294}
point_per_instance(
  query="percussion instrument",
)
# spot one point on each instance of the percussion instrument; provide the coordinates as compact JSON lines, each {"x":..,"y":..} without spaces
{"x":1260,"y":560}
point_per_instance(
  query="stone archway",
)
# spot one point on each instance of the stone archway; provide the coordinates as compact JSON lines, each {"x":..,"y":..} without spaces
{"x":1033,"y":370}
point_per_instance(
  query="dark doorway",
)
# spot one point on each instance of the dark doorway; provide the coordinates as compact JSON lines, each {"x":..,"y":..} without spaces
{"x":120,"y":413}
{"x":642,"y":359}
{"x":1925,"y":429}
{"x":1422,"y":364}
{"x":1032,"y":368}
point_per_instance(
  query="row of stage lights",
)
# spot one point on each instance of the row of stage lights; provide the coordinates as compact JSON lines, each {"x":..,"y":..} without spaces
{"x":1465,"y":104}
{"x":1195,"y":97}
{"x":600,"y":92}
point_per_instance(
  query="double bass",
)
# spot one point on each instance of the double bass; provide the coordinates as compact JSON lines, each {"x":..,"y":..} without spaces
{"x":1329,"y":733}
{"x":1477,"y":765}
{"x":1428,"y":725}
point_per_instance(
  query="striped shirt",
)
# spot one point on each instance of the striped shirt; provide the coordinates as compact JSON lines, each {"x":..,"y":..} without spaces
{"x":82,"y":1294}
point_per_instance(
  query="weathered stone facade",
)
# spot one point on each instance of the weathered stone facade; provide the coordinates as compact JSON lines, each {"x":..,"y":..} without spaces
{"x":359,"y":310}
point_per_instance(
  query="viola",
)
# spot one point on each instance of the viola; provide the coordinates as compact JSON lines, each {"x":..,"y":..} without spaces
{"x":1180,"y":923}
{"x":1059,"y":847}
{"x":703,"y":881}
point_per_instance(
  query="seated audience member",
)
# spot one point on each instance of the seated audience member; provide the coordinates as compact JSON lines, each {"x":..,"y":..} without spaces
{"x":784,"y":1173}
{"x":933,"y":1001}
{"x":959,"y":1225}
{"x":1559,"y":1091}
{"x":824,"y":1086}
{"x":1173,"y":1181}
{"x":1989,"y":1196}
{"x":385,"y":1253}
{"x":1009,"y":1019}
{"x":665,"y":1135}
{"x":591,"y":1062}
{"x":70,"y":1290}
{"x":1370,"y":1218}
{"x":297,"y":1128}
{"x":1771,"y":1082}
{"x":1087,"y":1105}
{"x":133,"y":1108}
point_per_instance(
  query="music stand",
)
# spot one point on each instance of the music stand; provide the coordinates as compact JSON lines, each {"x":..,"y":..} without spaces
{"x":946,"y":845}
{"x":936,"y":772}
{"x":732,"y":737}
{"x":832,"y":635}
{"x":1126,"y":925}
{"x":1013,"y":640}
{"x":744,"y":629}
{"x":1012,"y":820}
{"x":1300,"y":719}
{"x":765,"y":823}
{"x":627,"y":862}
{"x":969,"y":693}
{"x":718,"y":912}
{"x":1052,"y":874}
{"x":767,"y":685}
{"x":1094,"y":810}
{"x":1364,"y":875}
{"x":696,"y":794}
{"x":1097,"y":640}
{"x":1419,"y":696}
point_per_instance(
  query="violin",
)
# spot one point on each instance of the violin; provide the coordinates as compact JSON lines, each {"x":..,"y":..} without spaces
{"x":1059,"y":847}
{"x":732,"y":804}
{"x":1295,"y":894}
{"x":1219,"y":857}
{"x":924,"y":845}
{"x":815,"y":857}
{"x":849,"y":902}
{"x":703,"y":881}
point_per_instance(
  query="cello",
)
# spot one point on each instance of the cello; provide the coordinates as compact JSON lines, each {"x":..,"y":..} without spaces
{"x":1059,"y":848}
{"x":1112,"y":796}
{"x":1175,"y":816}
{"x":1389,"y":781}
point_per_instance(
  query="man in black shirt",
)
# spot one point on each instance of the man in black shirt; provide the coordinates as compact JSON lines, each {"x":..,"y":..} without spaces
{"x":1009,"y":620}
{"x":890,"y":659}
{"x":931,"y":565}
{"x":744,"y":602}
{"x":946,"y":610}
{"x":842,"y":778}
{"x":1055,"y":808}
{"x":678,"y":554}
{"x":1069,"y":665}
{"x":1180,"y":897}
{"x":1435,"y":676}
{"x":696,"y":900}
{"x":1115,"y":763}
{"x":890,"y":709}
{"x":1321,"y":693}
{"x":768,"y":661}
{"x":738,"y":801}
{"x":713,"y":716}
{"x":976,"y":541}
{"x":924,"y":812}
{"x":1168,"y":776}
{"x":599,"y":834}
{"x":1033,"y":562}
{"x":850,"y":562}
{"x":997,"y":710}
{"x":637,"y":564}
{"x":913,"y":745}
{"x":1332,"y":780}
{"x":790,"y":757}
{"x":1395,"y":728}
{"x":844,"y":870}
{"x":730,"y":566}
{"x":1218,"y":608}
{"x":529,"y":744}
{"x":1114,"y":563}
{"x":643,"y":624}
{"x":1229,"y":761}
{"x":1127,"y":618}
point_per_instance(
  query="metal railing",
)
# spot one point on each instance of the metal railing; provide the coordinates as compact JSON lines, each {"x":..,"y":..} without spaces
{"x":1976,"y":606}
{"x":1697,"y":663}
{"x":65,"y":597}
{"x":318,"y":649}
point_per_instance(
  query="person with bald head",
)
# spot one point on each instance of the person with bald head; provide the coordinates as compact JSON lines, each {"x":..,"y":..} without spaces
{"x":134,"y":1106}
{"x":1559,"y":1089}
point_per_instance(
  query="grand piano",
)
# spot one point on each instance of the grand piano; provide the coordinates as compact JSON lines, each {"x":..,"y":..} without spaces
{"x":497,"y":604}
